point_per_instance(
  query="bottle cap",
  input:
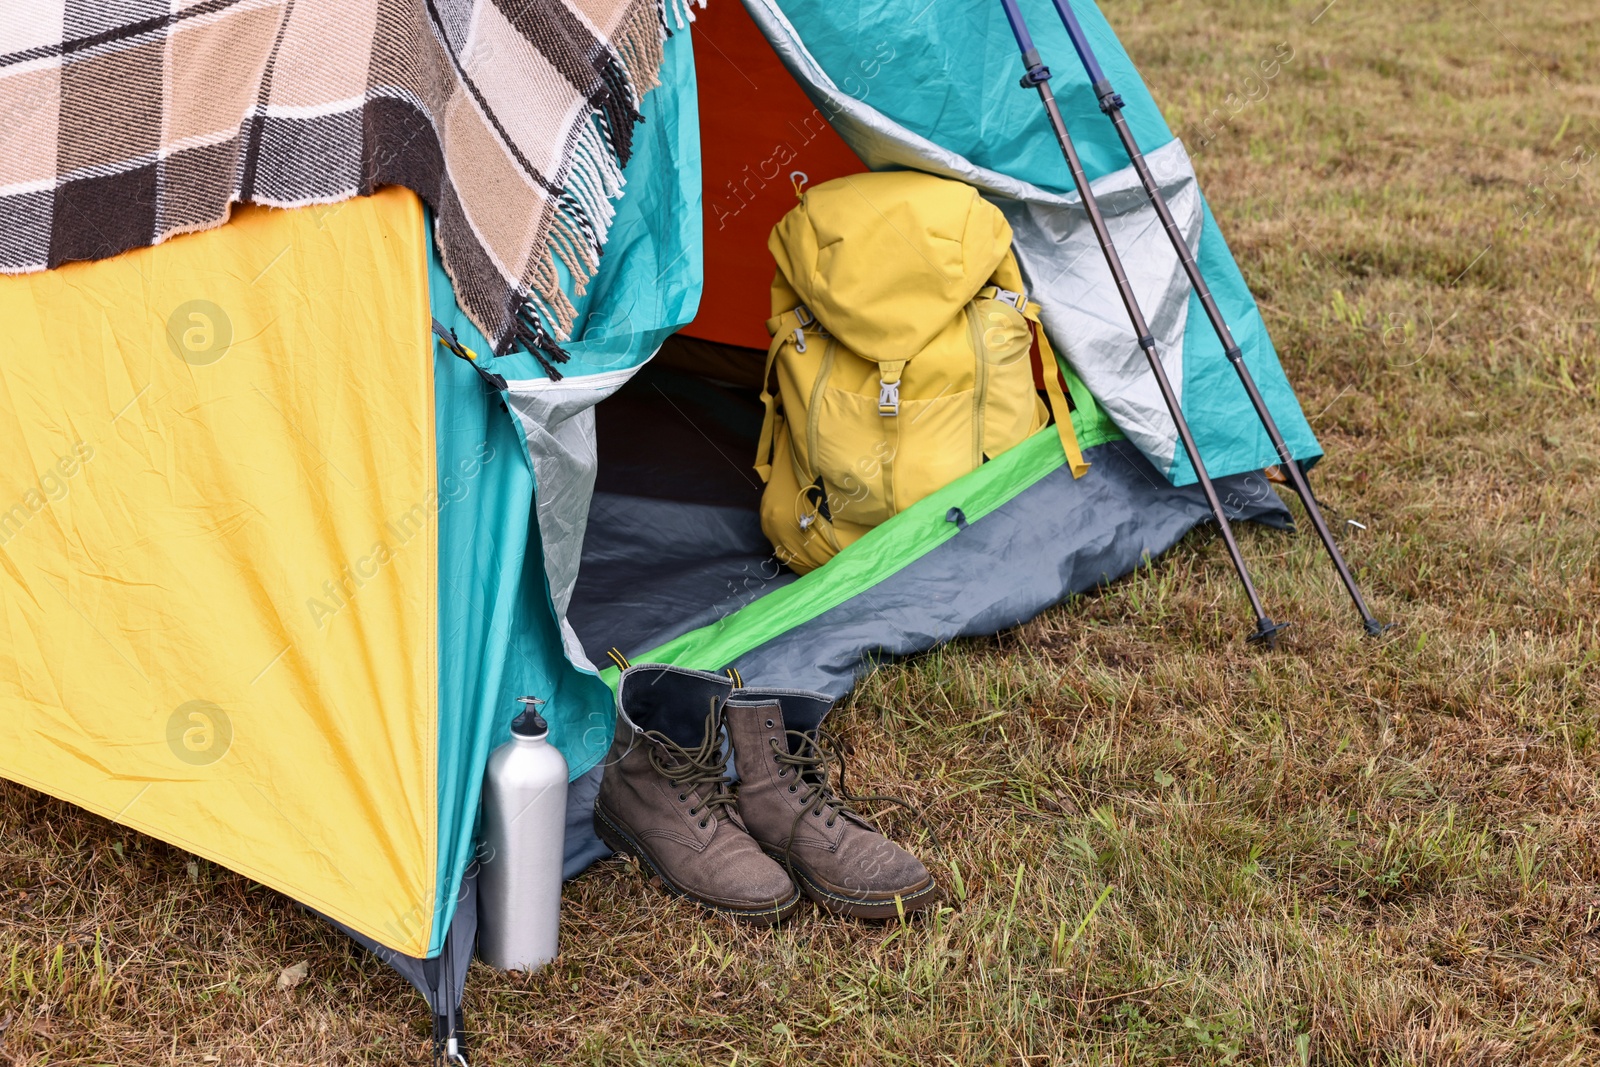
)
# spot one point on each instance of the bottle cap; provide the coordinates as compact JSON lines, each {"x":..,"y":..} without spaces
{"x":530,"y":723}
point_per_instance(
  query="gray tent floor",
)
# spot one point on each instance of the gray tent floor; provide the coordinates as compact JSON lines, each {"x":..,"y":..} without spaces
{"x":674,"y":542}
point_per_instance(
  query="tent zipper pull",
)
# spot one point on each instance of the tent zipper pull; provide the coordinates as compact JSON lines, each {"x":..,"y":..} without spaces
{"x":447,"y":337}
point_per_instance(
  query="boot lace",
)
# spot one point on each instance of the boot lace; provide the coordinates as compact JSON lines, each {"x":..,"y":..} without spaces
{"x":704,"y":766}
{"x":812,"y":766}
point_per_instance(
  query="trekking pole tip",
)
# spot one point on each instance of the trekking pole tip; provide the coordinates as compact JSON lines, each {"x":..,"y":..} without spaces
{"x":1267,"y":632}
{"x":1376,"y":628}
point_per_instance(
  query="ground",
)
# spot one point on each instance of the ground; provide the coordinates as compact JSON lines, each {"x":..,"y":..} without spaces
{"x":1161,"y":846}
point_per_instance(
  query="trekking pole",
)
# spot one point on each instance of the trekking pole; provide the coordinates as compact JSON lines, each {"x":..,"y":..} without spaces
{"x":1111,"y":103}
{"x":1038,"y":77}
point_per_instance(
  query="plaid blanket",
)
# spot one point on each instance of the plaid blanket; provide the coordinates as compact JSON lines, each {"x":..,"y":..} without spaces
{"x":126,"y":122}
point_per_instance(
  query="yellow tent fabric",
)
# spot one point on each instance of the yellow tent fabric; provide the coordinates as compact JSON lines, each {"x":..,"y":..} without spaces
{"x":217,"y":551}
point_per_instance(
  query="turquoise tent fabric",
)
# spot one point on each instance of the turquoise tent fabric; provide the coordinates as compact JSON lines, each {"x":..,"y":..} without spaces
{"x":499,"y":632}
{"x":491,"y":594}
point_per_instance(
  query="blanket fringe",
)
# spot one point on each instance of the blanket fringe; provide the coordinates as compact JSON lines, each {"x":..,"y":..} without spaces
{"x":682,"y":11}
{"x":531,"y":335}
{"x":586,"y":203}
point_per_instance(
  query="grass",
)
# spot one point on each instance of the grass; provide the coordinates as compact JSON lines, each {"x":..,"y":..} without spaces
{"x":1162,"y":847}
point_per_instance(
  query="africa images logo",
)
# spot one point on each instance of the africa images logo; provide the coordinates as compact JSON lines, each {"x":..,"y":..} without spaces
{"x":199,"y":332}
{"x":199,"y":733}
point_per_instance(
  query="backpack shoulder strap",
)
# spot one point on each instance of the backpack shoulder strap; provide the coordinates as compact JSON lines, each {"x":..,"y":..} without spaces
{"x":785,"y":327}
{"x":1051,"y":373}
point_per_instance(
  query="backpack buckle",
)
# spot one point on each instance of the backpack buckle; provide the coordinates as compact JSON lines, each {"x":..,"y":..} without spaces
{"x":888,"y":398}
{"x":1016,"y":300}
{"x":803,"y":315}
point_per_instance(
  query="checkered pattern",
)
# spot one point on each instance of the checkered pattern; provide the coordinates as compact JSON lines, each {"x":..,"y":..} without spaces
{"x":126,"y":122}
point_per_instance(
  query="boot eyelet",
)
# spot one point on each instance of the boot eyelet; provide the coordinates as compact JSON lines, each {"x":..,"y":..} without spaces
{"x":683,"y":796}
{"x":792,"y":788}
{"x":769,"y":724}
{"x":829,"y":824}
{"x":703,"y":823}
{"x":817,"y":814}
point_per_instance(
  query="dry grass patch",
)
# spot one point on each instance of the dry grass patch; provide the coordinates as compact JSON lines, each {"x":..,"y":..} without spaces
{"x":1162,"y":847}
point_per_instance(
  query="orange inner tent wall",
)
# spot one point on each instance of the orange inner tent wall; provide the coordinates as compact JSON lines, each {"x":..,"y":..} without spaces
{"x":756,"y":128}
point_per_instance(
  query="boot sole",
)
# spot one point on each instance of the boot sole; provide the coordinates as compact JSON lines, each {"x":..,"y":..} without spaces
{"x":854,"y":908}
{"x":618,"y":840}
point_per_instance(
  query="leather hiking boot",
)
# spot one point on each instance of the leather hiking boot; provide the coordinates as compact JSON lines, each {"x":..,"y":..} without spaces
{"x":666,"y":798}
{"x":787,"y":800}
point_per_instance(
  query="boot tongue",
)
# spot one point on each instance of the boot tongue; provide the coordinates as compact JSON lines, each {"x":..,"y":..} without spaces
{"x":672,"y":700}
{"x":802,"y":711}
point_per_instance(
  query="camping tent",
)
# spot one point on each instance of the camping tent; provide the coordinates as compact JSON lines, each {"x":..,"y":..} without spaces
{"x":276,"y":562}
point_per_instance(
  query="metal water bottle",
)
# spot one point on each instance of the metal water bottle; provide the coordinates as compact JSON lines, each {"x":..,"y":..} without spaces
{"x":524,"y":836}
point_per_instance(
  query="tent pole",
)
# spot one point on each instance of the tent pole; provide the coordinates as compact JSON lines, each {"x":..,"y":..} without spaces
{"x":1038,"y":77}
{"x":1111,"y":103}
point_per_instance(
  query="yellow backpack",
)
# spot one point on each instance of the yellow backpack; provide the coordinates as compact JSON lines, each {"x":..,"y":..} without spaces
{"x":905,"y":353}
